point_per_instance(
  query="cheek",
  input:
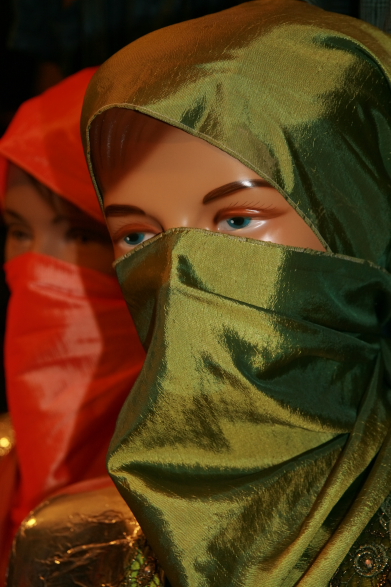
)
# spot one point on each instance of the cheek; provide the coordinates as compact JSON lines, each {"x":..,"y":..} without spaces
{"x":118,"y":251}
{"x":290,"y":230}
{"x":13,"y":248}
{"x":8,"y":254}
{"x":94,"y":256}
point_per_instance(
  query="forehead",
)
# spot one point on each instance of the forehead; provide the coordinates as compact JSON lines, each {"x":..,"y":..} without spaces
{"x":122,"y":139}
{"x":133,"y":149}
{"x":23,"y":189}
{"x":26,"y":194}
{"x":16,"y":176}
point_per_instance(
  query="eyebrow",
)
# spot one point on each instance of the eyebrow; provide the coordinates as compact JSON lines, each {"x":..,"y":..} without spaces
{"x":122,"y":210}
{"x":56,"y":220}
{"x":60,"y":218}
{"x":220,"y":192}
{"x":15,"y":215}
{"x":234,"y":186}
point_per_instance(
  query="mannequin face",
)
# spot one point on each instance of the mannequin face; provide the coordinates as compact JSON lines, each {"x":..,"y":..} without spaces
{"x":62,"y":231}
{"x":179,"y":180}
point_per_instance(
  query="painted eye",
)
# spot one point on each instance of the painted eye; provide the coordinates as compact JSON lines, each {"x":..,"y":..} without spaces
{"x":238,"y":222}
{"x":135,"y":238}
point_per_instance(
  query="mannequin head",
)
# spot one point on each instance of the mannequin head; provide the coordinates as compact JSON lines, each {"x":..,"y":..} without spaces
{"x":40,"y":221}
{"x":155,"y":177}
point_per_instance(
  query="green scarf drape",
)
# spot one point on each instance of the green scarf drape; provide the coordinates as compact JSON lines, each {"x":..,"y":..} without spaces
{"x":254,"y":447}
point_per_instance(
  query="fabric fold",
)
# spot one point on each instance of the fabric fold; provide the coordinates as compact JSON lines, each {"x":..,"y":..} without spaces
{"x":261,"y":408}
{"x":69,"y":366}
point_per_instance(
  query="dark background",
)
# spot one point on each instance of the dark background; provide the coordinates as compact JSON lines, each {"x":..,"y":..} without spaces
{"x":42,"y":41}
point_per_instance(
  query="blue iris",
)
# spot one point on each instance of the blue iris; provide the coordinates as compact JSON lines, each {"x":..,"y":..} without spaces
{"x":239,"y":222}
{"x":135,"y":238}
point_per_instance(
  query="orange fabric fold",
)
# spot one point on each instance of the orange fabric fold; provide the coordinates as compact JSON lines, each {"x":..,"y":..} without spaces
{"x":72,"y":356}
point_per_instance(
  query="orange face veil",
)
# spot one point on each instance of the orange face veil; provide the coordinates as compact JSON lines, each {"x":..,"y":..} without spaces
{"x":68,"y":371}
{"x":72,"y":352}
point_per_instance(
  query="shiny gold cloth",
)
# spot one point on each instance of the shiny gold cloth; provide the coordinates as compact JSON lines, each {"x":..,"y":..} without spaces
{"x":254,"y":447}
{"x":88,"y":538}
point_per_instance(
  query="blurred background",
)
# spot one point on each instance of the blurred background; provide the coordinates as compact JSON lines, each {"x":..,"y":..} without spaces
{"x":43,"y":41}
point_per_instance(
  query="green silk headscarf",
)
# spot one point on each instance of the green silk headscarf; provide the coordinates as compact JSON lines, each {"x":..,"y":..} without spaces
{"x":254,"y":448}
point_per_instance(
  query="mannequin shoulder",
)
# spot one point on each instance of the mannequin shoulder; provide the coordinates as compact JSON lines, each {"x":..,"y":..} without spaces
{"x":83,"y":538}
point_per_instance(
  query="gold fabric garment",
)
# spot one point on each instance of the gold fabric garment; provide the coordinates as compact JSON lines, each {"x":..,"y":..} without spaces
{"x":254,"y":448}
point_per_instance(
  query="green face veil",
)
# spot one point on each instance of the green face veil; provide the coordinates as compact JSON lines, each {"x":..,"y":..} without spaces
{"x":254,"y":448}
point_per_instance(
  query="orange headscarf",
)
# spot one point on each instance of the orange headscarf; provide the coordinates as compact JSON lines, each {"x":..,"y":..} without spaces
{"x":44,"y":140}
{"x":69,"y":334}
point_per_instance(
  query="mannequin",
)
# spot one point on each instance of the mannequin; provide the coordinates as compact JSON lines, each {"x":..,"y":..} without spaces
{"x":254,"y":448}
{"x":67,"y":327}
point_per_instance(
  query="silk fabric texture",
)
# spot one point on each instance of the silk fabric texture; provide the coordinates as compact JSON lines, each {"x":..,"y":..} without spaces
{"x":254,"y":448}
{"x":70,"y":358}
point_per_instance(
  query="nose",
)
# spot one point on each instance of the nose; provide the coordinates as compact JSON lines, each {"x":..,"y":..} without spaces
{"x":46,"y":245}
{"x":184,"y":218}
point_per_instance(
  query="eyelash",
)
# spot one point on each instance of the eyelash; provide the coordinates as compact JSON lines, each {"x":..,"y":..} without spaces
{"x":225,"y":214}
{"x":245,"y":212}
{"x":124,"y":231}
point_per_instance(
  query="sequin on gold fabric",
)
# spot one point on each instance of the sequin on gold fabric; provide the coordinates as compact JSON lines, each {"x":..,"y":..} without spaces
{"x":368,"y":563}
{"x":143,"y":571}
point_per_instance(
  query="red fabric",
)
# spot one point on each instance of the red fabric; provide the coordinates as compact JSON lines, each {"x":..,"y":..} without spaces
{"x":72,"y":356}
{"x":44,"y":140}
